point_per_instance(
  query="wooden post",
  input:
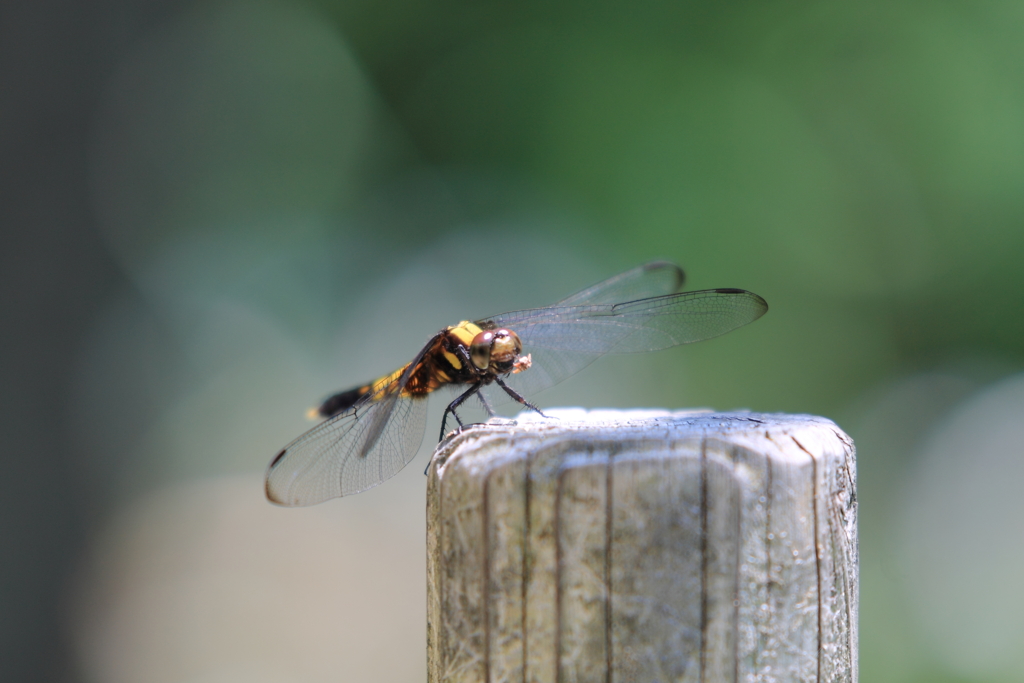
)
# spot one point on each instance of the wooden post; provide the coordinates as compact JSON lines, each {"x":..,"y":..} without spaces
{"x":629,"y":546}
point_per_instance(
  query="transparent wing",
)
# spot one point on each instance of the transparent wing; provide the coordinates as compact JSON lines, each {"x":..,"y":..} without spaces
{"x":651,"y":279}
{"x":563,"y":340}
{"x":350,"y":452}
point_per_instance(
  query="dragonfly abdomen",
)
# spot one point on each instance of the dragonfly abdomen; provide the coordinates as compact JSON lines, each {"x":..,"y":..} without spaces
{"x":340,"y":402}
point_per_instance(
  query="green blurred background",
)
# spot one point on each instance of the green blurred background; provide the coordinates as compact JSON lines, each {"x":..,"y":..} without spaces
{"x":216,"y":213}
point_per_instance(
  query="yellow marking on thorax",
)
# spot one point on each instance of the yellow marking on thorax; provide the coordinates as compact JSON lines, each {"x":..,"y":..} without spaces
{"x":464,"y":333}
{"x":452,"y":359}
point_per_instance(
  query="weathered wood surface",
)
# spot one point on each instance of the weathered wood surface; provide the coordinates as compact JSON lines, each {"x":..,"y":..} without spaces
{"x":628,"y":546}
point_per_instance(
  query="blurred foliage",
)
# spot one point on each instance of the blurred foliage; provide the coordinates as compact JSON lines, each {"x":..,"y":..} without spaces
{"x":863,"y":160}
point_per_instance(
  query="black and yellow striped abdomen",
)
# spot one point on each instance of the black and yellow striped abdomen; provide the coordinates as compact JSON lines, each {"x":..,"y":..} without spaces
{"x":439,"y":364}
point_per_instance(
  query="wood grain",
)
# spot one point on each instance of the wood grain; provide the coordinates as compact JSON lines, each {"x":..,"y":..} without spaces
{"x":640,"y":546}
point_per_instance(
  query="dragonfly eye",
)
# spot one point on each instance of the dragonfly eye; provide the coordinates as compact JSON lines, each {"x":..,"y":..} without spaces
{"x":496,"y":350}
{"x":480,"y":350}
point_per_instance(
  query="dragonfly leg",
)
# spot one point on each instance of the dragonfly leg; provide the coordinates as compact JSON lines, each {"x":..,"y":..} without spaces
{"x":511,"y":392}
{"x":455,"y":404}
{"x":487,"y":406}
{"x":463,"y":353}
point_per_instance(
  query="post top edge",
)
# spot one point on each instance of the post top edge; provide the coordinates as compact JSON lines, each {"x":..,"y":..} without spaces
{"x":529,"y":431}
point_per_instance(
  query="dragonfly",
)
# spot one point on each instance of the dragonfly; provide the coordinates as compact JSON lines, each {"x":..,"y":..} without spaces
{"x":369,"y":433}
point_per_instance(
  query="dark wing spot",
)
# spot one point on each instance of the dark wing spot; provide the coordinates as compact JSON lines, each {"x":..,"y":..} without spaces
{"x":277,"y":458}
{"x":266,"y":481}
{"x":658,"y":265}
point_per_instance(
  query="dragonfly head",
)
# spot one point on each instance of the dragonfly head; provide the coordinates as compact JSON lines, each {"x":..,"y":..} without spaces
{"x":495,"y":351}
